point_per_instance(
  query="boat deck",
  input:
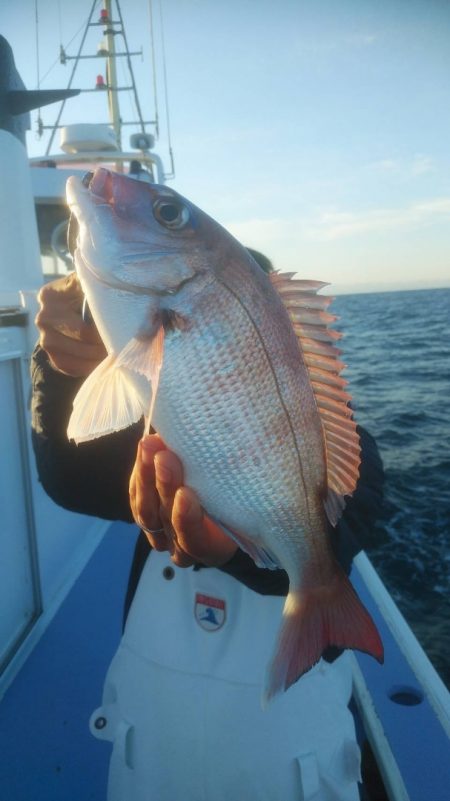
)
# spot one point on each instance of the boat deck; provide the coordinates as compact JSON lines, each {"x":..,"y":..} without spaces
{"x":408,"y":737}
{"x":48,"y":753}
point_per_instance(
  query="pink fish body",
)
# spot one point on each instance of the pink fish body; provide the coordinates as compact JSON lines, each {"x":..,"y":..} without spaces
{"x":241,"y":377}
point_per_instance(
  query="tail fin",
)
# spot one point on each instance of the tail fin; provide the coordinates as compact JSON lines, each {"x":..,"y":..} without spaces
{"x":314,"y":619}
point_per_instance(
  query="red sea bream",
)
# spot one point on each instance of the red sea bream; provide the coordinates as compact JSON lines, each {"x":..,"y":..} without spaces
{"x":239,"y":374}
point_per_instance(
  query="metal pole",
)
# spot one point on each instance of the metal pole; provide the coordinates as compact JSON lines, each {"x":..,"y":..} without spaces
{"x":113,"y":100}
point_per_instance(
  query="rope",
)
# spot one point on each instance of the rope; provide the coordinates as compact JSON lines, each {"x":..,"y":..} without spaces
{"x":39,"y":118}
{"x":152,"y":44}
{"x":36,"y":13}
{"x":130,"y":68}
{"x":166,"y":92}
{"x":59,"y":20}
{"x":66,"y":46}
{"x":61,"y":109}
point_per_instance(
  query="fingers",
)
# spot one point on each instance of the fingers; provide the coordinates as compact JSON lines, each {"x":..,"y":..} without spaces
{"x":196,"y":533}
{"x":69,"y":355}
{"x":144,"y":498}
{"x":73,"y":346}
{"x":169,"y":477}
{"x":158,"y":499}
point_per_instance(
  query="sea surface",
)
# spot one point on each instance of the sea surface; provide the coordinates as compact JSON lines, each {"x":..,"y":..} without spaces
{"x":397,"y":348}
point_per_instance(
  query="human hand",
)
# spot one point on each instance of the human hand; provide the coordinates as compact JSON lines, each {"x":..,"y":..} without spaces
{"x":73,"y":346}
{"x":170,"y":513}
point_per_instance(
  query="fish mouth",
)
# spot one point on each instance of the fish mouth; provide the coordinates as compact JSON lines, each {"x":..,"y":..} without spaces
{"x":101,"y":184}
{"x":101,"y":188}
{"x":121,"y":191}
{"x":115,"y":189}
{"x":97,"y":188}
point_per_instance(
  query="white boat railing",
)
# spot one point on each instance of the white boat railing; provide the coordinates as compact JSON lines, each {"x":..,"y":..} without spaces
{"x":404,"y":705}
{"x":431,"y":683}
{"x":116,"y":160}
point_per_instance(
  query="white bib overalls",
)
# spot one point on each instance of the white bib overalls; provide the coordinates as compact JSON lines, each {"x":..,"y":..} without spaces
{"x":182,"y":701}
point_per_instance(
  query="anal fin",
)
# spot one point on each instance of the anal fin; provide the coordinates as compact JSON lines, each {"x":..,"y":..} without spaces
{"x":260,"y":555}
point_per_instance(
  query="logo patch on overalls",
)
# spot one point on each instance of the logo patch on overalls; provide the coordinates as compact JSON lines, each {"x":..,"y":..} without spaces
{"x":210,"y":613}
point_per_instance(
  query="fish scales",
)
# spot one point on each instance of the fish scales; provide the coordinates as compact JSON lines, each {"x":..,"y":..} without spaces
{"x":250,"y":408}
{"x":191,"y":322}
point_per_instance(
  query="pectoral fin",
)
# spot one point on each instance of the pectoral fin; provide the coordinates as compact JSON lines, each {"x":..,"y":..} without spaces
{"x":109,"y":399}
{"x":145,"y":356}
{"x":106,"y":402}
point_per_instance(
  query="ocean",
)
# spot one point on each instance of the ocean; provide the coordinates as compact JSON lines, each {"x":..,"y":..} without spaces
{"x":397,"y":347}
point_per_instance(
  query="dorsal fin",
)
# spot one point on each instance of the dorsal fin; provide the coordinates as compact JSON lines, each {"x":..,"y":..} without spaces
{"x":310,"y":320}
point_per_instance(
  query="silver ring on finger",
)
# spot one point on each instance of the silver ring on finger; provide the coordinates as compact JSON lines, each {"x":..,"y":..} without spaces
{"x":151,"y":530}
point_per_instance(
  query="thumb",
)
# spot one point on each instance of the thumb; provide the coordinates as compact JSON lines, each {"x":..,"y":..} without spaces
{"x":196,"y":533}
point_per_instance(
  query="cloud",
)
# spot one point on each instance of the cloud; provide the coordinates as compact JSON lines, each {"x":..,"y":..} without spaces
{"x":385,"y":165}
{"x":340,"y":225}
{"x":361,"y":39}
{"x":419,"y":164}
{"x":331,"y":44}
{"x":331,"y":225}
{"x":264,"y":234}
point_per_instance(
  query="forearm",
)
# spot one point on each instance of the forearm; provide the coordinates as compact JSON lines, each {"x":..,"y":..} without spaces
{"x":91,"y":478}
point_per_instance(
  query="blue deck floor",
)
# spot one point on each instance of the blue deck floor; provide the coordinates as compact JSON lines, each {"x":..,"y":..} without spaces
{"x":47,"y":752}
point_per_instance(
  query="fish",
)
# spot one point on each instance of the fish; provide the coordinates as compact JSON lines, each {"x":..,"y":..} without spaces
{"x":239,"y":373}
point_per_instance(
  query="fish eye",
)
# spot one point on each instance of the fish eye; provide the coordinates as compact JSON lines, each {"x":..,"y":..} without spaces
{"x":171,"y":214}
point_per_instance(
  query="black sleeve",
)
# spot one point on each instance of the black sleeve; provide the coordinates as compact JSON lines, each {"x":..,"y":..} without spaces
{"x":90,"y":478}
{"x":259,"y":579}
{"x":357,"y":528}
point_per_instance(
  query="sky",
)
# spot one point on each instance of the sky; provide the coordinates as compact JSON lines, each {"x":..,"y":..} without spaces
{"x":317,"y":131}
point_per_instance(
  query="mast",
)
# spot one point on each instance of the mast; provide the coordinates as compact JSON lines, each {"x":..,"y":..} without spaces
{"x":107,"y":48}
{"x":111,"y":21}
{"x":111,"y":76}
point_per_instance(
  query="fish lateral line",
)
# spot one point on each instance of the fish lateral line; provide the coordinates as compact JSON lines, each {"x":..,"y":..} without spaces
{"x":277,"y":386}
